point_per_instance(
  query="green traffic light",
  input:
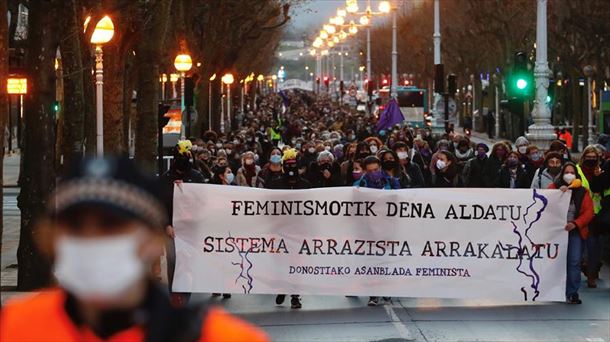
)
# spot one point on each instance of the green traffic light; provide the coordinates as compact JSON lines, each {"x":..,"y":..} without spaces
{"x":521,"y":84}
{"x":548,"y":99}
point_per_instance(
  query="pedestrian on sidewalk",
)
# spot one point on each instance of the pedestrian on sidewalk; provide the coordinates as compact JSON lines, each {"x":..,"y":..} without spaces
{"x":491,"y":124}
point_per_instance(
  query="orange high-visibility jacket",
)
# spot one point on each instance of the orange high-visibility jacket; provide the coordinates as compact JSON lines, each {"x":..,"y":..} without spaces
{"x":42,"y":317}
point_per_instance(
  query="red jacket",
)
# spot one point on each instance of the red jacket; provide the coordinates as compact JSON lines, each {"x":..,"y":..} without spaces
{"x":584,"y":215}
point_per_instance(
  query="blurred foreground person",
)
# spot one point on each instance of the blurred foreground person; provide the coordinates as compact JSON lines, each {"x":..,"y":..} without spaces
{"x":105,"y":229}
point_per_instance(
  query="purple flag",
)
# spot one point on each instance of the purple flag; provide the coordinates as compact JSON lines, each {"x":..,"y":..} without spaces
{"x":390,"y":116}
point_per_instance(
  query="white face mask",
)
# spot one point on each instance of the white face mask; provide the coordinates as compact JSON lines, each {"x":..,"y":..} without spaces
{"x":569,"y":178}
{"x":373,"y":148}
{"x":440,"y":164}
{"x":403,"y":155}
{"x":98,"y":268}
{"x":522,"y":149}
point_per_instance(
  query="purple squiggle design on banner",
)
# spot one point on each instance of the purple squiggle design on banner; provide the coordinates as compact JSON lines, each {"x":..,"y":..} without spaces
{"x":244,"y":260}
{"x":530,"y":272}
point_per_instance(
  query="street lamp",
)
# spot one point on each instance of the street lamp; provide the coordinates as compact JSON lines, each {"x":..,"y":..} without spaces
{"x":352,"y":28}
{"x":183,"y":63}
{"x":589,"y":71}
{"x":351,"y":6}
{"x":210,"y":101}
{"x":361,"y":68}
{"x":104,"y":30}
{"x":330,"y":28}
{"x":274,"y":79}
{"x":16,"y":86}
{"x":163,"y":80}
{"x":173,"y":78}
{"x":227,"y":79}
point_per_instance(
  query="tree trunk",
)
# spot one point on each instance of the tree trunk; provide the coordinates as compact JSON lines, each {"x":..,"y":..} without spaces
{"x":37,"y":176}
{"x":114,"y":78}
{"x":3,"y":97}
{"x":73,"y":119}
{"x":147,"y":61}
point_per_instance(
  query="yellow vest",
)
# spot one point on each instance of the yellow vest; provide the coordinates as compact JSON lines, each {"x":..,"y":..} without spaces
{"x":597,"y":198}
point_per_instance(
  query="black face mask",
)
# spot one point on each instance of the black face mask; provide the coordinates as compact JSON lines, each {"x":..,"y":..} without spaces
{"x":591,"y":163}
{"x":325,"y":166}
{"x":554,"y":170}
{"x":291,"y":171}
{"x":388,"y":165}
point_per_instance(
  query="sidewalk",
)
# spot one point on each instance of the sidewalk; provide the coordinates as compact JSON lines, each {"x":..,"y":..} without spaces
{"x":11,"y":221}
{"x":11,"y":169}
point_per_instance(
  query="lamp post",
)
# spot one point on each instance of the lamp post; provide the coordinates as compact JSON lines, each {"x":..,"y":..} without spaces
{"x":394,"y":86}
{"x":541,"y":133}
{"x":274,"y":85}
{"x":589,"y":72}
{"x":173,"y":78}
{"x":104,"y":30}
{"x":384,"y":8}
{"x":497,"y":107}
{"x":210,"y":101}
{"x":228,"y":80}
{"x":361,"y":68}
{"x":163,"y":80}
{"x":183,"y":63}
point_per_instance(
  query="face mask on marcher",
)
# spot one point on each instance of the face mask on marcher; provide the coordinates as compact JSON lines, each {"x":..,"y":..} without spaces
{"x":275,"y":159}
{"x":98,"y":268}
{"x":522,"y":149}
{"x":569,"y":178}
{"x":403,"y":155}
{"x":440,"y":164}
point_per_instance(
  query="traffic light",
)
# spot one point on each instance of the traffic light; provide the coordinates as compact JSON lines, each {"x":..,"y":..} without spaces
{"x":326,"y":81}
{"x":189,"y":91}
{"x":369,"y":88}
{"x":439,"y":79}
{"x":451,"y":84}
{"x":521,"y":80}
{"x":550,"y":98}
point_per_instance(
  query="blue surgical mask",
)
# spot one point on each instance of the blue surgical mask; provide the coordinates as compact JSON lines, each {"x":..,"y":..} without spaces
{"x":275,"y":159}
{"x":230,"y":177}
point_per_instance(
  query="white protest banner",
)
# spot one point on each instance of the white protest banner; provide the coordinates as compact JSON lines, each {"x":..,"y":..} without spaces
{"x":444,"y":243}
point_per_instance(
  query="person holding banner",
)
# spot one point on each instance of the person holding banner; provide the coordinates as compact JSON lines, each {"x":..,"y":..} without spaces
{"x":181,"y":171}
{"x":375,"y":178}
{"x":580,"y":214}
{"x":103,"y":230}
{"x":290,"y":180}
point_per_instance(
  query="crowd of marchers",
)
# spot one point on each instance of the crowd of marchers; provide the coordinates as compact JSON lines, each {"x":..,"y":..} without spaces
{"x":297,"y":140}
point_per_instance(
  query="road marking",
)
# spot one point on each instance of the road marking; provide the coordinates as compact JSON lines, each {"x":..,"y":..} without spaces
{"x":595,"y":339}
{"x":402,"y":329}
